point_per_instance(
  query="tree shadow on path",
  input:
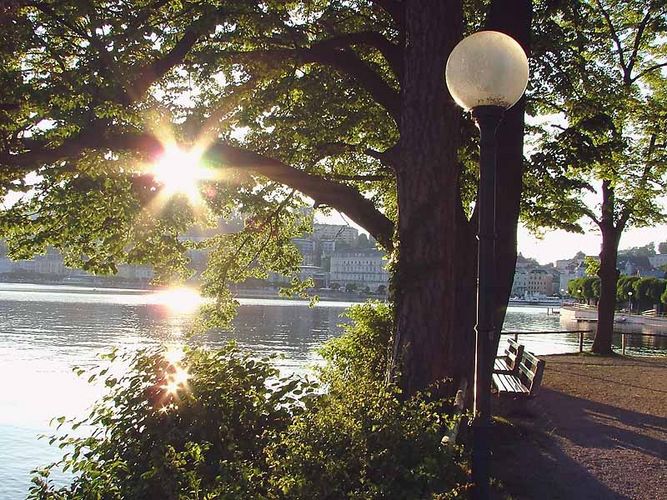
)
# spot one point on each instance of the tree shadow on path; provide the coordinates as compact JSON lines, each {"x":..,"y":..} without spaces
{"x":571,"y":447}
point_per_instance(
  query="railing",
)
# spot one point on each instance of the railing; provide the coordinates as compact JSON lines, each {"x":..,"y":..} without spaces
{"x":552,"y":332}
{"x":588,"y":307}
{"x":577,"y":305}
{"x":652,"y":314}
{"x":581,"y":336}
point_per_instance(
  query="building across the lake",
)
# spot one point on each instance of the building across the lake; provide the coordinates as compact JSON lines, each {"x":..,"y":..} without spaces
{"x":533,"y":282}
{"x":366,"y":268}
{"x":50,"y":266}
{"x":335,"y":232}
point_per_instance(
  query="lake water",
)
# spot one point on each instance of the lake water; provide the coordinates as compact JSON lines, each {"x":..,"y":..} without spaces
{"x":46,"y":330}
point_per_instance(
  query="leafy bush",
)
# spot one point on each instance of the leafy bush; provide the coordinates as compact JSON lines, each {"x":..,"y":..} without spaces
{"x":159,"y":433}
{"x":362,"y":352}
{"x":361,"y":439}
{"x":228,"y":427}
{"x":586,"y":288}
{"x":366,"y":443}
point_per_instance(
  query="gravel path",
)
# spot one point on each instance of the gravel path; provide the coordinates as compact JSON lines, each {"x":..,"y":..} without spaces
{"x":597,"y":429}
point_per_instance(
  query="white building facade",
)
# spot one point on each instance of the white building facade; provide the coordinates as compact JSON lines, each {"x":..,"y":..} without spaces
{"x":361,"y":268}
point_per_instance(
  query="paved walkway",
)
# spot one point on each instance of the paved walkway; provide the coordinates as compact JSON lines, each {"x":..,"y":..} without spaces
{"x":597,"y":429}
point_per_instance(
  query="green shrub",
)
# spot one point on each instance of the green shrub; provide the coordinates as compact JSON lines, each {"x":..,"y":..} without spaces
{"x":360,"y":439}
{"x":366,"y":443}
{"x":232,"y":429}
{"x":362,"y":351}
{"x":206,"y":440}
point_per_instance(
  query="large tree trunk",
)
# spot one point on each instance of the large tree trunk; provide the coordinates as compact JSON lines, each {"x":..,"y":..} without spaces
{"x":608,"y":273}
{"x":427,"y":344}
{"x":607,"y":304}
{"x":435,"y":302}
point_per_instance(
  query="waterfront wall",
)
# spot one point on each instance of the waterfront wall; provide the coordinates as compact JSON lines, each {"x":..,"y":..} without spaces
{"x":577,"y":314}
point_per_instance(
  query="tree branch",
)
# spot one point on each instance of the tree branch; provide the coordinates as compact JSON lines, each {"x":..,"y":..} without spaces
{"x":149,"y":73}
{"x":348,"y":62}
{"x":343,"y":59}
{"x":395,"y":9}
{"x":154,"y":71}
{"x":390,"y":51}
{"x":641,"y":185}
{"x":638,"y":38}
{"x":647,"y":71}
{"x":361,"y":178}
{"x":589,"y":213}
{"x":387,"y":157}
{"x":339,"y":196}
{"x":108,"y":65}
{"x":617,"y":41}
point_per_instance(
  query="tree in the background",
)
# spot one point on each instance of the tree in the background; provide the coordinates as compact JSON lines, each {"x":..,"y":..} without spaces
{"x":599,"y":70}
{"x":662,"y":247}
{"x":625,"y":290}
{"x":649,"y":291}
{"x":574,"y":288}
{"x":341,"y":102}
{"x":586,"y":288}
{"x":647,"y":250}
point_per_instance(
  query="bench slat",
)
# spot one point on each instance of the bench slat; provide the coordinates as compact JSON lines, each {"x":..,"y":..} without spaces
{"x":509,"y":384}
{"x":523,"y":380}
{"x":502,"y":365}
{"x":509,"y":362}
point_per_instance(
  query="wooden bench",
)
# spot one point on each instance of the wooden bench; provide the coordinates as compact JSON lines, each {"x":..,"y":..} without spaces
{"x":509,"y":362}
{"x":525,"y":382}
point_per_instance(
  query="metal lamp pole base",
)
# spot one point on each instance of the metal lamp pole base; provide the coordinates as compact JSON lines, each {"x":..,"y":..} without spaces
{"x":487,"y":119}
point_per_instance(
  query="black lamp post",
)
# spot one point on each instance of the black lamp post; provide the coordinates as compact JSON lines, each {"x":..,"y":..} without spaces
{"x":630,"y":301}
{"x":486,"y":73}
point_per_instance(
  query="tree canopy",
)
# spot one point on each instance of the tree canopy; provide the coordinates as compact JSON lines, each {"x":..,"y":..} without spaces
{"x":600,"y":72}
{"x":341,"y":105}
{"x":94,"y":92}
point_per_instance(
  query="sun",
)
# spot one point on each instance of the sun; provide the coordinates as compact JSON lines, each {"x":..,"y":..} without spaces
{"x":181,"y":300}
{"x":180,"y":171}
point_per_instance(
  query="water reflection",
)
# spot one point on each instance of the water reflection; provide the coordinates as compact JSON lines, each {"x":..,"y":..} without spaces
{"x":538,"y":319}
{"x":46,"y":330}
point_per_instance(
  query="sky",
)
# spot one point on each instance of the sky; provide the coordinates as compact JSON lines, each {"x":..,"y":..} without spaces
{"x":563,"y":245}
{"x":555,"y":244}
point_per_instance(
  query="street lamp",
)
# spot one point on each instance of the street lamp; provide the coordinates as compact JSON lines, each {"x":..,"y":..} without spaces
{"x":630,"y":301}
{"x":486,"y":73}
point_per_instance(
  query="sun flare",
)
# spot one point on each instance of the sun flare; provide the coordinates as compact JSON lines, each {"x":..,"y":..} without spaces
{"x":180,"y":300}
{"x":177,"y":376}
{"x":180,"y":172}
{"x":174,"y":354}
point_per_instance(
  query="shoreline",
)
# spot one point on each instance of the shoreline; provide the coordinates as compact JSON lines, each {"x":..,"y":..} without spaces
{"x":622,"y":321}
{"x":242,"y":293}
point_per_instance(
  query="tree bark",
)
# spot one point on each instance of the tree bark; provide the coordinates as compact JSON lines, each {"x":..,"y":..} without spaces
{"x":427,"y":346}
{"x":608,"y":273}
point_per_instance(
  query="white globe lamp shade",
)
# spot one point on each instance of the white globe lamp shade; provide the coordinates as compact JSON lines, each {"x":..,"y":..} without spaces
{"x":488,"y":68}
